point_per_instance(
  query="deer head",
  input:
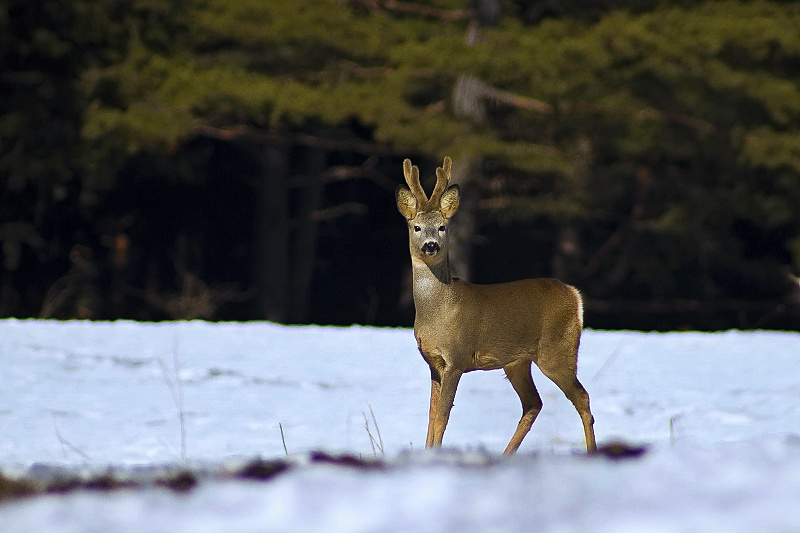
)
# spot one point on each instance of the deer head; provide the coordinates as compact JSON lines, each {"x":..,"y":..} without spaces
{"x":428,"y":218}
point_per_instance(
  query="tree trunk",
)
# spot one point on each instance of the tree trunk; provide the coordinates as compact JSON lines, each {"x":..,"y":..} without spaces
{"x":463,"y":227}
{"x":305,"y":240}
{"x":568,"y":257}
{"x":272,"y":266}
{"x":468,"y":102}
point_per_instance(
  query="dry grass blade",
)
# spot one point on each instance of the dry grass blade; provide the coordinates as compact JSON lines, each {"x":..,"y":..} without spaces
{"x":372,"y":440}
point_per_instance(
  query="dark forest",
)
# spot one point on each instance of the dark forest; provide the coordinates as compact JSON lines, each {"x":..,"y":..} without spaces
{"x":217,"y":160}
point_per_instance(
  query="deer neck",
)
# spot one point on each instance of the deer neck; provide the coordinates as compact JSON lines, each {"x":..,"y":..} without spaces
{"x":432,"y":282}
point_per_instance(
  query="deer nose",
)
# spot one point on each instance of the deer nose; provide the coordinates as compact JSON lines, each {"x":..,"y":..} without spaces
{"x":430,"y":248}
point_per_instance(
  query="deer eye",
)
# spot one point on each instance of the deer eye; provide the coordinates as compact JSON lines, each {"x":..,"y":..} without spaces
{"x":417,"y":228}
{"x":442,"y":229}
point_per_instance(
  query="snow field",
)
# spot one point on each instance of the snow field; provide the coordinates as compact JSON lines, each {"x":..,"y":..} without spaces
{"x":718,"y":411}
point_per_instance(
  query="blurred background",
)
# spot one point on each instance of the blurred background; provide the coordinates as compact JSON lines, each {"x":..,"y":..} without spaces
{"x":237,"y":160}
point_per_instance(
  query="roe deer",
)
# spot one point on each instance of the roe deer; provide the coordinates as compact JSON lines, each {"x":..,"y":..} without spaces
{"x":461,"y":327}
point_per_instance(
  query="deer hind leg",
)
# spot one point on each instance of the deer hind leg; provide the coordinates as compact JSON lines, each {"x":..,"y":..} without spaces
{"x":440,"y":412}
{"x":567,"y":381}
{"x":580,"y":399}
{"x":519,"y":374}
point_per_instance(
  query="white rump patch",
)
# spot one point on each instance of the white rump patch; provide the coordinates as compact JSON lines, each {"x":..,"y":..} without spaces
{"x":580,"y":304}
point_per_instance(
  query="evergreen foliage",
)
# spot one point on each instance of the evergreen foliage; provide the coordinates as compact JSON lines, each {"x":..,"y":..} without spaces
{"x":656,"y":143}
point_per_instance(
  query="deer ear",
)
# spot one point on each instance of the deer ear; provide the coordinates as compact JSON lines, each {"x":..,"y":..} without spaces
{"x":406,"y":203}
{"x":450,"y":199}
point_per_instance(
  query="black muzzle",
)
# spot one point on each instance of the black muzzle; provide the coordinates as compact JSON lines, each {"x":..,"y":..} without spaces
{"x":430,"y":248}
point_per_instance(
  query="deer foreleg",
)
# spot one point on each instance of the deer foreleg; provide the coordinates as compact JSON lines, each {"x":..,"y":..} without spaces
{"x":447,"y":394}
{"x":436,"y":389}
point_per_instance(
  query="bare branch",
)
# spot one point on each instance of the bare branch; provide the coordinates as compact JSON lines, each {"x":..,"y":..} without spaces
{"x":417,"y":9}
{"x":241,"y":131}
{"x":515,"y":100}
{"x":329,"y":213}
{"x":478,"y":89}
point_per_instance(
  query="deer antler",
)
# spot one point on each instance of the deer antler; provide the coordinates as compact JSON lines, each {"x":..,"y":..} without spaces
{"x":412,"y":178}
{"x":442,"y":180}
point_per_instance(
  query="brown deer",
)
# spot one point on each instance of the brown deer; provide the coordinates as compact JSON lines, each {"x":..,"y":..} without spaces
{"x":461,"y":327}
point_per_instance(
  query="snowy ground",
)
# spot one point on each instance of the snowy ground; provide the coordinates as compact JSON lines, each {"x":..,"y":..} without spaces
{"x":720,"y":413}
